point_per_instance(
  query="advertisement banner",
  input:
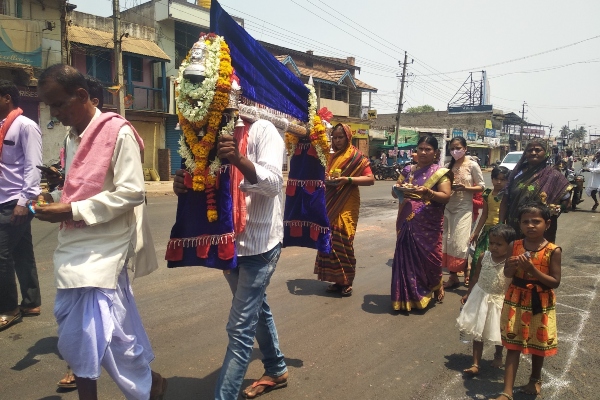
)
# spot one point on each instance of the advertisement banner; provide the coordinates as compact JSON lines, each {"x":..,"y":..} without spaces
{"x":20,"y":41}
{"x":359,"y":131}
{"x":471,"y":136}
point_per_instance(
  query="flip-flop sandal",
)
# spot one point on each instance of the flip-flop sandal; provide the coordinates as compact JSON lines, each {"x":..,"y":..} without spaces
{"x":269,"y":386}
{"x":9,"y":320}
{"x":534,"y":381}
{"x":31,"y":312}
{"x":68,"y":382}
{"x":346,"y":291}
{"x":508,"y":396}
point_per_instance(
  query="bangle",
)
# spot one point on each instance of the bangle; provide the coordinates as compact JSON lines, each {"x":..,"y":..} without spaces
{"x":350,"y":180}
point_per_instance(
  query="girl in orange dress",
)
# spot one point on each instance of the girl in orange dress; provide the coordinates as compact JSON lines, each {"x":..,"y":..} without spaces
{"x":528,"y":321}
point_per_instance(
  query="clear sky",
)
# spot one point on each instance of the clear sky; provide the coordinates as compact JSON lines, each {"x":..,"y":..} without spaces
{"x":442,"y":37}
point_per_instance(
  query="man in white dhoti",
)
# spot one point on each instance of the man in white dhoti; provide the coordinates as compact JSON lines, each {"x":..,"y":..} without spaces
{"x":103,"y":230}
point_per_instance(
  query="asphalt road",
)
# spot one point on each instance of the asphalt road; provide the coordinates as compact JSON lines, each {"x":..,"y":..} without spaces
{"x":336,"y":348}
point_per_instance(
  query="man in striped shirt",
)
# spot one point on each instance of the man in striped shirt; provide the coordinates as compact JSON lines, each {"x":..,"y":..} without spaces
{"x":258,"y":250}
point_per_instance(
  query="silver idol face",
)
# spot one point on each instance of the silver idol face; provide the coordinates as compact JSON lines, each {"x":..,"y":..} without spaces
{"x":196,"y":71}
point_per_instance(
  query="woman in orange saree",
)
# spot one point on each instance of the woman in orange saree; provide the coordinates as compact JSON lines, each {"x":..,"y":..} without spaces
{"x":342,"y":199}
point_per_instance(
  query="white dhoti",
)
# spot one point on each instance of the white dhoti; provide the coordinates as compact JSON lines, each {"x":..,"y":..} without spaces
{"x":102,"y":328}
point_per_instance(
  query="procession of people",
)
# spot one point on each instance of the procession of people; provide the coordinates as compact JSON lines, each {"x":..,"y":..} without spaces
{"x":234,"y":214}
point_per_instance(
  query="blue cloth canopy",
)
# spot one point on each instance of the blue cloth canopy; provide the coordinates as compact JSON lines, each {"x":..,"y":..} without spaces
{"x":263,"y":79}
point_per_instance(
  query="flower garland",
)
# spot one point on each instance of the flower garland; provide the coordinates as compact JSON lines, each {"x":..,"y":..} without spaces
{"x":316,"y":130}
{"x":291,"y":141}
{"x":201,"y":108}
{"x":319,"y":140}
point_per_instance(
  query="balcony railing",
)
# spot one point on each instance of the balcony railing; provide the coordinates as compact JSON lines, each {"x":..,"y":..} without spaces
{"x":144,"y":98}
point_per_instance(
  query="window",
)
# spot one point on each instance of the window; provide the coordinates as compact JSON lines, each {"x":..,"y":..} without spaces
{"x":4,"y":9}
{"x":98,"y":65}
{"x":326,"y":92}
{"x":136,"y":68}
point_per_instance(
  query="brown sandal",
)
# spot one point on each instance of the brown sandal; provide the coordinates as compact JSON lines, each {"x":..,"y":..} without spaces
{"x":346,"y":291}
{"x":68,"y":382}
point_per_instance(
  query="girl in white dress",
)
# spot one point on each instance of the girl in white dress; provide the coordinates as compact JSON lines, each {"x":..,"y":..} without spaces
{"x":480,"y":316}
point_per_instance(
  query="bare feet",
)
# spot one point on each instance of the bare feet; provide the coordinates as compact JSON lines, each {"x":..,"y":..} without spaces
{"x":534,"y":387}
{"x":472,"y":370}
{"x":264,"y":385}
{"x":451,"y":282}
{"x":497,"y":363}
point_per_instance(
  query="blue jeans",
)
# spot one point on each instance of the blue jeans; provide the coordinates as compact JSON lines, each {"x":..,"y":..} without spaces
{"x":250,"y":317}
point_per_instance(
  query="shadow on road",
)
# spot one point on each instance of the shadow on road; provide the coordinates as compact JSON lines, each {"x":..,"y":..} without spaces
{"x":309,"y":287}
{"x":46,"y":345}
{"x":390,"y":262}
{"x":378,"y":304}
{"x":587,"y":259}
{"x":185,"y":387}
{"x":488,"y":378}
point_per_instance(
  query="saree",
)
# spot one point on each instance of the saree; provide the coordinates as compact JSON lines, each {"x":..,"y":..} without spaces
{"x":417,"y":265}
{"x":458,"y":217}
{"x":342,"y":203}
{"x":541,"y":183}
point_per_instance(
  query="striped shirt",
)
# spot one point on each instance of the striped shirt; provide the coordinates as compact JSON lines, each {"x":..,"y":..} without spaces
{"x":264,"y":200}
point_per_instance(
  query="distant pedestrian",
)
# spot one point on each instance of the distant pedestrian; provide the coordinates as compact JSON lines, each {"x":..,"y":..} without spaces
{"x":20,"y":153}
{"x":594,"y":185}
{"x":480,"y":316}
{"x":383,"y":158}
{"x":528,"y":322}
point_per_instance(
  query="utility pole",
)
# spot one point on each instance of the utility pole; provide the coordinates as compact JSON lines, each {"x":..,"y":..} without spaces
{"x":64,"y":40}
{"x":522,"y":122}
{"x":118,"y":58}
{"x":400,"y":107}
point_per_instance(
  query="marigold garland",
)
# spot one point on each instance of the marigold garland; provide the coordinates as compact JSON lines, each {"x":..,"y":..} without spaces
{"x":199,"y":116}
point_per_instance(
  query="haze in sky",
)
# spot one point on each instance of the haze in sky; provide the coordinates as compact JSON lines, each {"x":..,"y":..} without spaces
{"x":545,"y":53}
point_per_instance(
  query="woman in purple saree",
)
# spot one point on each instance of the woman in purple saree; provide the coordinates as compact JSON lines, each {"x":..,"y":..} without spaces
{"x":417,"y":266}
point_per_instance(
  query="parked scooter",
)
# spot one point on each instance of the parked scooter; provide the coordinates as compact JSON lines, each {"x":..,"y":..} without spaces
{"x":383,"y":172}
{"x":577,"y":180}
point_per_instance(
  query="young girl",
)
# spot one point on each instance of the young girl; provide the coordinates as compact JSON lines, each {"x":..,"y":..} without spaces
{"x":480,"y":316}
{"x":489,"y":215}
{"x":528,"y":322}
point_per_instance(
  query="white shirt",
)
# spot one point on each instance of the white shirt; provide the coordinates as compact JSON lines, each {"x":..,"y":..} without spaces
{"x":93,"y":256}
{"x":595,"y":172}
{"x":264,"y":200}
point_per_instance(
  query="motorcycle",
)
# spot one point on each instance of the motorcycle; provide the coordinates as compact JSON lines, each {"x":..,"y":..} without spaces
{"x":577,"y":180}
{"x":382,"y":172}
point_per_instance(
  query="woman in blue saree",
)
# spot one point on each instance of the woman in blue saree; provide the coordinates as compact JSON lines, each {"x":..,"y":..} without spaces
{"x":417,"y":266}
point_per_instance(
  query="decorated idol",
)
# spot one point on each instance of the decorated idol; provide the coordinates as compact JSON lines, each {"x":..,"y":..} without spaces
{"x":224,"y":87}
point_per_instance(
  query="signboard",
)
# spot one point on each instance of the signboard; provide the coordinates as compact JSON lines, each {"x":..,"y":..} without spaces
{"x":364,"y":112}
{"x":372,"y":114}
{"x":20,"y":41}
{"x":471,"y":136}
{"x":470,"y":109}
{"x":491,"y":133}
{"x":359,"y":131}
{"x":488,"y":124}
{"x":457,"y":133}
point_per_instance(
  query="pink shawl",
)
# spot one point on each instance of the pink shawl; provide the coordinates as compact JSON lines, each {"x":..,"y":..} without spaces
{"x":93,"y":158}
{"x":238,"y":198}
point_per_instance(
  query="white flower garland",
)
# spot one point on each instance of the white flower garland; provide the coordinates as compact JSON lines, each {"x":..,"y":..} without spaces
{"x":312,"y":107}
{"x":185,"y":153}
{"x":202,"y":93}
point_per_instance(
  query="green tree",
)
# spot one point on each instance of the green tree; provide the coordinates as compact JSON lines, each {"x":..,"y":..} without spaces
{"x":420,"y":109}
{"x":579,"y":134}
